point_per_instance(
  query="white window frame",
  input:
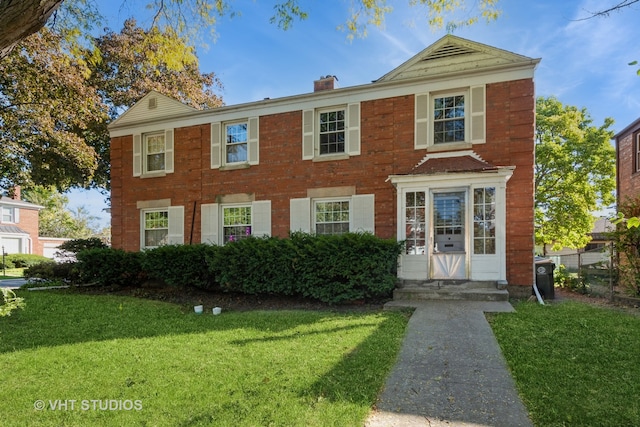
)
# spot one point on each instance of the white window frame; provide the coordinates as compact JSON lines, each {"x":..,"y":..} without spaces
{"x":175,"y":227}
{"x":144,"y":228}
{"x":637,"y":153}
{"x":311,"y":132}
{"x":248,"y":225}
{"x":315,"y":222}
{"x":361,"y":213}
{"x":218,"y":155}
{"x":212,"y":220}
{"x":11,"y":214}
{"x":476,"y":219}
{"x":319,"y":132}
{"x":146,"y":138}
{"x":432,"y":118}
{"x":140,"y":153}
{"x":228,"y":145}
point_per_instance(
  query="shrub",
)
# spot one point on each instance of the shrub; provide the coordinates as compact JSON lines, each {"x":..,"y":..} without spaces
{"x":66,"y":272}
{"x":23,"y":260}
{"x":179,"y":265}
{"x":564,"y":279}
{"x":110,"y":267}
{"x":255,"y":266}
{"x":76,"y":245}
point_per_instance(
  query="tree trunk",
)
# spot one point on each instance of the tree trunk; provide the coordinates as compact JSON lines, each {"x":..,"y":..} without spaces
{"x":20,"y":18}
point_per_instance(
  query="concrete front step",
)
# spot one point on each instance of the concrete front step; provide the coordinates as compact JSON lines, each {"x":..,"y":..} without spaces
{"x":443,"y":290}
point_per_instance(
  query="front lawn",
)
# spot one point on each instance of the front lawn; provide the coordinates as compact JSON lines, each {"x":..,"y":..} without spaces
{"x":78,"y":360}
{"x":574,"y":364}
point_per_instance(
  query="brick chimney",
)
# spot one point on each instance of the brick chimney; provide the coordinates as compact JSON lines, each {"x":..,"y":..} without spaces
{"x":325,"y":83}
{"x":14,"y":193}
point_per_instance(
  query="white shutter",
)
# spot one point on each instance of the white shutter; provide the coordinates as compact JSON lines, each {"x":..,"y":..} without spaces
{"x":209,"y":224}
{"x":137,"y":155}
{"x":477,"y":114}
{"x":307,"y":134}
{"x":168,"y":151}
{"x":252,"y":141}
{"x":363,"y":213}
{"x":422,"y":121}
{"x":300,"y":215}
{"x":176,"y":225}
{"x":261,"y":218}
{"x":215,"y":145}
{"x":16,"y":215}
{"x":353,"y":135}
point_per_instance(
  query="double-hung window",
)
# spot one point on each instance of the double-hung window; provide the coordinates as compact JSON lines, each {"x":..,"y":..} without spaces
{"x":331,"y":131}
{"x":154,"y":151}
{"x":156,"y":228}
{"x":8,"y":214}
{"x":449,"y":118}
{"x":331,"y":217}
{"x":236,"y":223}
{"x":236,"y":142}
{"x":637,"y":153}
{"x":484,"y":221}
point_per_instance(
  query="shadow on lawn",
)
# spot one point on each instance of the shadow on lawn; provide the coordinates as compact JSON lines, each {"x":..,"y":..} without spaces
{"x":53,"y":318}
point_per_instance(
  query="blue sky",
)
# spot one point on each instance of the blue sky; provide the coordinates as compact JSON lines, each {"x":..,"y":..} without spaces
{"x":584,"y":62}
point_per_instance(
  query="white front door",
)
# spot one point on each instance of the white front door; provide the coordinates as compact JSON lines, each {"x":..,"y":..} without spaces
{"x":448,"y":232}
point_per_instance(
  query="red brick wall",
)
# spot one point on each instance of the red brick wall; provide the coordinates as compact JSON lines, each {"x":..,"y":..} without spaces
{"x":387,"y":148}
{"x":628,"y":180}
{"x":28,"y":221}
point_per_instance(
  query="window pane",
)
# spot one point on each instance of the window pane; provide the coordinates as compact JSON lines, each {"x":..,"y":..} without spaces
{"x":155,"y":151}
{"x":332,"y":217}
{"x":484,"y":224}
{"x":332,"y":132}
{"x":448,"y":119}
{"x":236,"y":142}
{"x":156,"y":228}
{"x":236,"y":223}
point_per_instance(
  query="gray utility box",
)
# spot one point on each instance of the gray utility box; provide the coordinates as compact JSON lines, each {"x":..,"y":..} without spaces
{"x":544,"y":277}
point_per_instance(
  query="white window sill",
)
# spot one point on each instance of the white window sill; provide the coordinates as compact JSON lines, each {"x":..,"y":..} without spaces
{"x":448,"y":146}
{"x":331,"y":157}
{"x":158,"y":174}
{"x":234,"y":166}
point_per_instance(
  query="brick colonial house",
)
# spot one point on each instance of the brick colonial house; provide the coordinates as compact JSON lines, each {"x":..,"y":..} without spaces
{"x":438,"y":152}
{"x":628,"y":162}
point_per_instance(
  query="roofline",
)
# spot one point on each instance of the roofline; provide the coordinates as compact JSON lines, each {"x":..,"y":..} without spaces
{"x":19,"y":203}
{"x":635,"y":124}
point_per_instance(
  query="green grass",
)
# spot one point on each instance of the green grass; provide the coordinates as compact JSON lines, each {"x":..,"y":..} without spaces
{"x":574,"y":364}
{"x":281,"y":368}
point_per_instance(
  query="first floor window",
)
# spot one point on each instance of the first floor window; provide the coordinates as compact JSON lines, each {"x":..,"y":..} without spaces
{"x":156,"y":228}
{"x":415,"y":222}
{"x":236,"y":142}
{"x":236,"y":222}
{"x":332,"y":217}
{"x":484,"y":221}
{"x":154,"y":149}
{"x":332,"y":132}
{"x":8,"y":214}
{"x":448,"y":119}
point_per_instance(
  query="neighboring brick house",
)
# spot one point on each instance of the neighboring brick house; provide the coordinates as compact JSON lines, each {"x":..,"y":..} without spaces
{"x":438,"y":152}
{"x":628,"y":162}
{"x":19,"y":225}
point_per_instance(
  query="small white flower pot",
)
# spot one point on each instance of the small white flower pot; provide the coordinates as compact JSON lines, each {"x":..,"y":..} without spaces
{"x":216,"y":310}
{"x":198,"y":309}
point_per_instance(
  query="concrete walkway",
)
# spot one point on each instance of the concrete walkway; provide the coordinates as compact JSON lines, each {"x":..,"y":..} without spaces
{"x":12,"y":283}
{"x":450,"y":371}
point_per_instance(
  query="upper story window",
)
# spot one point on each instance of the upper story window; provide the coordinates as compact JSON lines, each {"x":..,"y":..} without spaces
{"x":452,"y":118}
{"x":236,"y":142}
{"x":154,"y":150}
{"x":153,"y":153}
{"x":8,"y":214}
{"x":331,"y":131}
{"x":637,"y":153}
{"x":449,"y":119}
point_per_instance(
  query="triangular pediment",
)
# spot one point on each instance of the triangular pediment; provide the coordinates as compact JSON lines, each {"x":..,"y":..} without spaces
{"x":453,"y":55}
{"x":153,"y":105}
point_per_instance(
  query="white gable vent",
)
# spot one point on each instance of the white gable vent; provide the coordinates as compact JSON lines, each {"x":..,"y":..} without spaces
{"x":448,"y":51}
{"x":153,"y":103}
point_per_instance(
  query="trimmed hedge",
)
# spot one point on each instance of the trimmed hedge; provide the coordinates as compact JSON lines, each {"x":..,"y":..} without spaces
{"x":22,"y":260}
{"x":109,"y":267}
{"x":331,"y":269}
{"x":179,"y":265}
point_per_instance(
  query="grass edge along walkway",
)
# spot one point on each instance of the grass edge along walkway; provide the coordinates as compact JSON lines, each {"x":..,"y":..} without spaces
{"x":159,"y":364}
{"x":574,"y":364}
